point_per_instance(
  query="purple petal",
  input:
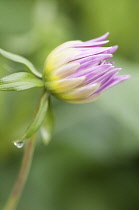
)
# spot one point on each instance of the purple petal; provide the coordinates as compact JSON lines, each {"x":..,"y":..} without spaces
{"x":101,"y":38}
{"x":93,"y":71}
{"x":113,"y":49}
{"x":95,"y":58}
{"x":85,"y":52}
{"x":113,"y":82}
{"x":91,"y":43}
{"x":103,"y":76}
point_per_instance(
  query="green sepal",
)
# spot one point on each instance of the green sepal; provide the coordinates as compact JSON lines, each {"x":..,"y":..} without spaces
{"x":48,"y":125}
{"x":22,"y":60}
{"x":20,"y":81}
{"x":36,"y":122}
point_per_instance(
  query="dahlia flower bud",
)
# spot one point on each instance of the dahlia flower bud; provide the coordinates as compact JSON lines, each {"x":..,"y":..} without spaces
{"x":78,"y":72}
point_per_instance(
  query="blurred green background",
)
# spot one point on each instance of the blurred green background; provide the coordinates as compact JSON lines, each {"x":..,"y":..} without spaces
{"x":92,"y":162}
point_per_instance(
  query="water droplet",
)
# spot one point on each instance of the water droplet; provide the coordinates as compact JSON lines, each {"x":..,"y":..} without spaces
{"x":19,"y":144}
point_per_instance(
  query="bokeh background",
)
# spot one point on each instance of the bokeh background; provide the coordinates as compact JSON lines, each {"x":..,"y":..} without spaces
{"x":92,"y":162}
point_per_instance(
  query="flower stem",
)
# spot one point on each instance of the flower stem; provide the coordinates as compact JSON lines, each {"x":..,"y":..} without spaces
{"x":22,"y":176}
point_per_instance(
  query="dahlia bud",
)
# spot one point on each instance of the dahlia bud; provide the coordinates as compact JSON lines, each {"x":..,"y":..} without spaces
{"x":78,"y":72}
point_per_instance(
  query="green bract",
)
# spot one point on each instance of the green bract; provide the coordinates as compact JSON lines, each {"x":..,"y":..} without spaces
{"x":47,"y":125}
{"x":20,"y":59}
{"x":20,"y":81}
{"x":37,"y":121}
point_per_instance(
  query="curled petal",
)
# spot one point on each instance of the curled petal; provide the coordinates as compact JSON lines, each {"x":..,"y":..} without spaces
{"x":84,"y":100}
{"x":55,"y":60}
{"x":64,"y":71}
{"x":81,"y":92}
{"x":64,"y":85}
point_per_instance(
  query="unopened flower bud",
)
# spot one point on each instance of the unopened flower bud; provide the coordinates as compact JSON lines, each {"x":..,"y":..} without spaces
{"x":78,"y":72}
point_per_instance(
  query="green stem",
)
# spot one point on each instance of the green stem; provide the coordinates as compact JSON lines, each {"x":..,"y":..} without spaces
{"x":22,"y":176}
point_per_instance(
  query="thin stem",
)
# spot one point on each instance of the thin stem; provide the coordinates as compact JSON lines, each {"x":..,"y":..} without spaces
{"x":22,"y":176}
